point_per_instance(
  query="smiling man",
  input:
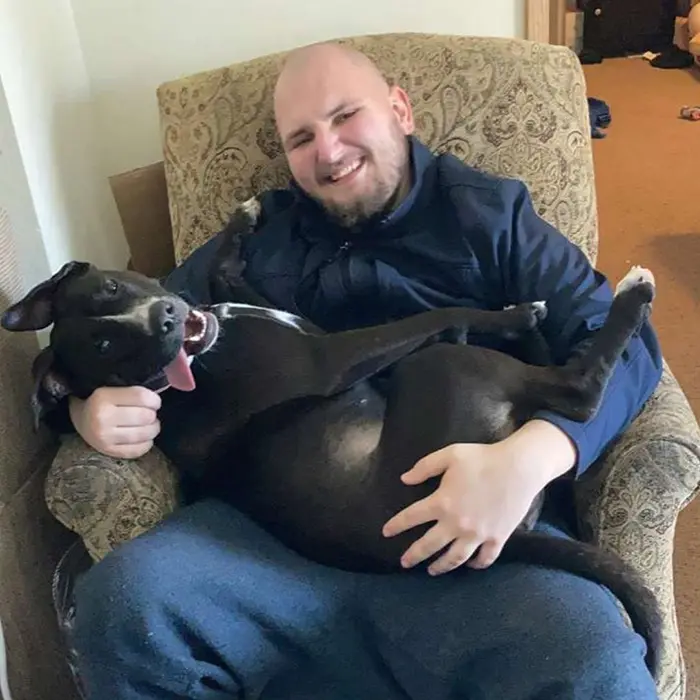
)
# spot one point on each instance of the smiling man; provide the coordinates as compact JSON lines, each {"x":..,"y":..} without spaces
{"x":375,"y":227}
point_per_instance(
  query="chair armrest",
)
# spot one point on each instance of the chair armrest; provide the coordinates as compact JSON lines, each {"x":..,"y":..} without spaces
{"x":107,"y":501}
{"x":630,"y":501}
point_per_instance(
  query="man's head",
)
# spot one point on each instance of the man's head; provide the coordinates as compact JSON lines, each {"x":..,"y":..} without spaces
{"x":343,"y":129}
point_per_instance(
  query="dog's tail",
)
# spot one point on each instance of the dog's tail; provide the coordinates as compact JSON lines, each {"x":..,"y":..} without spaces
{"x":576,"y":389}
{"x":602,"y":567}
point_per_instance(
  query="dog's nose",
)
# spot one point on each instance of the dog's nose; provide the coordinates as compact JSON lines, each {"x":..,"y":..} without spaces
{"x":163,"y":317}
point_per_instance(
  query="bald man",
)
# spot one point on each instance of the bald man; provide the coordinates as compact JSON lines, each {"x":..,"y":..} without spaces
{"x":375,"y":227}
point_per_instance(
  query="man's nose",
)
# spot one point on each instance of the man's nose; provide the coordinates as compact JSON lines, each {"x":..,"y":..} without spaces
{"x":328,"y":146}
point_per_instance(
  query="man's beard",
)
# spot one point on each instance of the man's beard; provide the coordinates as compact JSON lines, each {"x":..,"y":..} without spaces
{"x":383,"y":196}
{"x":362,"y":210}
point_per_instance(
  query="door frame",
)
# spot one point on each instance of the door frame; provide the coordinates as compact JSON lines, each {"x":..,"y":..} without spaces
{"x":545,"y":21}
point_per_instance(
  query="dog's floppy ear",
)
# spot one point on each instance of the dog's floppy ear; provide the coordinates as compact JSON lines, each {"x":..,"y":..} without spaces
{"x":35,"y":310}
{"x":49,"y":385}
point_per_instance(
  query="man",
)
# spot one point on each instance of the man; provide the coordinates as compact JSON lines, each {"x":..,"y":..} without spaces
{"x":374,"y":227}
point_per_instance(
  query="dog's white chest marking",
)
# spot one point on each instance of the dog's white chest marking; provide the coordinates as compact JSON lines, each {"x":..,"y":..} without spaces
{"x":500,"y":416}
{"x":355,"y":444}
{"x":231,"y":310}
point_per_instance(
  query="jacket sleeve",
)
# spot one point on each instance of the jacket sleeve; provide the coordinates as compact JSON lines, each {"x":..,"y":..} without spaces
{"x":542,"y":264}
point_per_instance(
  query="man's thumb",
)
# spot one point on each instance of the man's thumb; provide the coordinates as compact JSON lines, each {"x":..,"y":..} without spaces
{"x":431,"y":465}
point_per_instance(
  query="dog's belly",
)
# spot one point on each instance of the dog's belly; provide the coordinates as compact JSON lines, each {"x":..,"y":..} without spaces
{"x":313,"y":479}
{"x":326,"y":479}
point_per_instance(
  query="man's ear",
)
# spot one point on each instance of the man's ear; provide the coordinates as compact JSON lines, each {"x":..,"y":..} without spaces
{"x":401,"y":104}
{"x":50,"y":386}
{"x":35,"y":310}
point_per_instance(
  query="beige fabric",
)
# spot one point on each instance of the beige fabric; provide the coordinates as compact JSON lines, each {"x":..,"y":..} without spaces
{"x":508,"y":106}
{"x":19,"y":446}
{"x":29,"y":537}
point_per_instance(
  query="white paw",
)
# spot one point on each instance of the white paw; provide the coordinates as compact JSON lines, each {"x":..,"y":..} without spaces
{"x":540,"y":306}
{"x":637,"y":275}
{"x":252,"y":208}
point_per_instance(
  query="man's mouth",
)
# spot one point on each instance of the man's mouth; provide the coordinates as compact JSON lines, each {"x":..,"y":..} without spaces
{"x":201,"y":331}
{"x":345,"y":173}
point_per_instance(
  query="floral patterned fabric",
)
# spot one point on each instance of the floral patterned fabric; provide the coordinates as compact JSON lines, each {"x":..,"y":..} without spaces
{"x":508,"y":106}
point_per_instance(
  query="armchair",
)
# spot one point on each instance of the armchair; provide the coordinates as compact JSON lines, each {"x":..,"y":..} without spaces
{"x":507,"y":106}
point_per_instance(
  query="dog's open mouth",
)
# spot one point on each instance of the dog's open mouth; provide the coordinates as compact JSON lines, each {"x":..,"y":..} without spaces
{"x":201,"y":330}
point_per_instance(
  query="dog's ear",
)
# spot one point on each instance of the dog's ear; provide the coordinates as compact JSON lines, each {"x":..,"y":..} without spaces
{"x":50,"y":386}
{"x":35,"y":310}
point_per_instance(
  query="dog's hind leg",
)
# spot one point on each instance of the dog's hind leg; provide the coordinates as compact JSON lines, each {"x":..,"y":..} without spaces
{"x":576,"y":389}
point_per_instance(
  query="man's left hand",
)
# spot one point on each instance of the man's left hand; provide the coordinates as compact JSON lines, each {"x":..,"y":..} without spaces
{"x":484,"y":493}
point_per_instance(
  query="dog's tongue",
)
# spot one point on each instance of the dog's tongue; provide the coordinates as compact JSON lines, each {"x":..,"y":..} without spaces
{"x":179,"y":373}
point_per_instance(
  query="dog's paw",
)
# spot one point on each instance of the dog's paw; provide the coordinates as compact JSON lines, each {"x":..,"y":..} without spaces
{"x":251,"y":207}
{"x":529,"y":314}
{"x":637,"y":277}
{"x":539,"y":309}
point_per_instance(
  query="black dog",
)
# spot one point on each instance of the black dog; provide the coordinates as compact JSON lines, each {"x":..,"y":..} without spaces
{"x":291,"y":425}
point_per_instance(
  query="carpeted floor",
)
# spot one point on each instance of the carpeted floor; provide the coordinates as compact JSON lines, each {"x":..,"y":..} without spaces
{"x":647,"y":175}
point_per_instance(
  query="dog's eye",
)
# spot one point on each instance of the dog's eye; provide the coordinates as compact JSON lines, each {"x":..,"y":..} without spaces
{"x":111,"y":287}
{"x":102,"y":345}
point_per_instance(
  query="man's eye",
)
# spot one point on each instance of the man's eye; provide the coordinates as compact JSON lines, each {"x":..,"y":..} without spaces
{"x":300,"y":141}
{"x":347,"y":115}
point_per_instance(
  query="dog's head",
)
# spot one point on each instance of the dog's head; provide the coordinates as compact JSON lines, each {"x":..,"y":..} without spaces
{"x":109,"y":329}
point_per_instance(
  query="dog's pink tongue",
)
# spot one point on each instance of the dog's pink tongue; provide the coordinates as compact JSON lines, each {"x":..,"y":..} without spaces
{"x":179,"y":373}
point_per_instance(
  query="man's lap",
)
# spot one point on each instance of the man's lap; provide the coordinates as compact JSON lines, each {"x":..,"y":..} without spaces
{"x":367,"y":632}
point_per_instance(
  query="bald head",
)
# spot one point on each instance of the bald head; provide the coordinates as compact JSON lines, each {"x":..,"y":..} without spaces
{"x":309,"y":64}
{"x":343,"y":129}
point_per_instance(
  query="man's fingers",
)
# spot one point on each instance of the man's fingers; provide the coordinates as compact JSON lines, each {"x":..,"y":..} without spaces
{"x":130,"y":451}
{"x":431,"y":465}
{"x":487,"y":555}
{"x":416,"y":514}
{"x":131,"y":416}
{"x":454,"y":557}
{"x":133,"y":396}
{"x":432,"y":542}
{"x":137,"y":435}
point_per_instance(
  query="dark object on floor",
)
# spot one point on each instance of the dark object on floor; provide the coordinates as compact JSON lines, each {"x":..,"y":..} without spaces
{"x":623,"y":27}
{"x":588,"y":56}
{"x":674,"y":57}
{"x":600,"y":117}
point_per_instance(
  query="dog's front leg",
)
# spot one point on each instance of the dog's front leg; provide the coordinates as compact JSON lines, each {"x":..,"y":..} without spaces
{"x":342,"y":359}
{"x":226,"y":274}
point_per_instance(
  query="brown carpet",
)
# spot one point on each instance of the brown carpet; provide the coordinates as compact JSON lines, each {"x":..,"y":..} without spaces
{"x":648,"y":187}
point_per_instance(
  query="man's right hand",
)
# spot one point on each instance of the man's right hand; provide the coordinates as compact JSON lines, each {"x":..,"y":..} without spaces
{"x":120,"y":422}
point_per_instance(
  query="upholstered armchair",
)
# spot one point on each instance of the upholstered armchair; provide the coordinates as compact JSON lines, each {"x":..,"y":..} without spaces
{"x":508,"y":106}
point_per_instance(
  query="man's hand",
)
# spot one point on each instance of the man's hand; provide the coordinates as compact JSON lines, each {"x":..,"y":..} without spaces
{"x":484,"y":493}
{"x":118,"y":421}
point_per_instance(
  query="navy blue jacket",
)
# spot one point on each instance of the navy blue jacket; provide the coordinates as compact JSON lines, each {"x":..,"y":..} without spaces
{"x":462,"y":237}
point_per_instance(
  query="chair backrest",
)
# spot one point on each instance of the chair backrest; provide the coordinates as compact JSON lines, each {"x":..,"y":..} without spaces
{"x":508,"y":106}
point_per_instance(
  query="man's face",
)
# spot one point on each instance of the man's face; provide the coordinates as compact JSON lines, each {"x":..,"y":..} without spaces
{"x":344,"y":134}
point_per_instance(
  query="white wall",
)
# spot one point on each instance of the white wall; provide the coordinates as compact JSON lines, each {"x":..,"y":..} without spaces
{"x":16,"y":201}
{"x":80,"y":76}
{"x":49,"y":100}
{"x":131,"y":46}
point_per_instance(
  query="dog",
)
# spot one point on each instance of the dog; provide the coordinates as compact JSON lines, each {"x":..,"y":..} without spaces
{"x":308,"y":432}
